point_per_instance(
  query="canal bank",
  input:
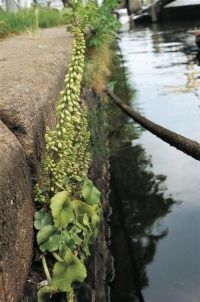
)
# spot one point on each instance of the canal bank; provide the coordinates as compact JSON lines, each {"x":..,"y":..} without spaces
{"x":137,"y":222}
{"x":31,"y":79}
{"x":155,"y":186}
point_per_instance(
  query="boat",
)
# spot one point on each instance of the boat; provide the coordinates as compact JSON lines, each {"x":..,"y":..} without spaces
{"x":143,"y":17}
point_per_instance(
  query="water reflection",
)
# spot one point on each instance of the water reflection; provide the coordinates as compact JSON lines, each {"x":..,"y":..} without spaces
{"x":181,"y":41}
{"x":138,"y":202}
{"x":163,"y":66}
{"x":172,"y":47}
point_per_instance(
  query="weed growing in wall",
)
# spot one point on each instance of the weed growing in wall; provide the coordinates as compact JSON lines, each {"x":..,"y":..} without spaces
{"x":69,"y":214}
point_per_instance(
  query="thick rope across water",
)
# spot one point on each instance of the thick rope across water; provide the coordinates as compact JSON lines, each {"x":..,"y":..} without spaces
{"x":182,"y":143}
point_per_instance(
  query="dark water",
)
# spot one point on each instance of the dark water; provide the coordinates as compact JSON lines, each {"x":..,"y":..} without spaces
{"x":156,"y":188}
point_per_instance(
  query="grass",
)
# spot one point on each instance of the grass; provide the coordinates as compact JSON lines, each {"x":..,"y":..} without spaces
{"x":15,"y":23}
{"x":99,"y":67}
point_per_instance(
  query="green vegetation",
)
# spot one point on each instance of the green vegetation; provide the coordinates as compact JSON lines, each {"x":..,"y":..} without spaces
{"x":102,"y":21}
{"x":99,"y":67}
{"x":69,"y":211}
{"x":97,"y":121}
{"x":68,"y":203}
{"x":130,"y":131}
{"x":31,"y":19}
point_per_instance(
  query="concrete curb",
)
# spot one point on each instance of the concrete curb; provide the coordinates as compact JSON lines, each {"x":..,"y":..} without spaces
{"x":31,"y":77}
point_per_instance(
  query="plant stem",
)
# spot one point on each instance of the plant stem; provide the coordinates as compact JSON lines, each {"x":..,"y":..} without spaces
{"x":46,"y":270}
{"x":57,"y":257}
{"x":70,"y":296}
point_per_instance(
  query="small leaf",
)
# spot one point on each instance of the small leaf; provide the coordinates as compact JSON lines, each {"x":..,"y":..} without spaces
{"x":42,"y":219}
{"x":80,"y":208}
{"x":86,"y":220}
{"x":85,"y":246}
{"x":62,"y":210}
{"x":65,"y":236}
{"x":74,"y":235}
{"x":52,"y":244}
{"x":71,"y":245}
{"x":45,"y":233}
{"x":80,"y":225}
{"x":93,"y":212}
{"x":90,"y":193}
{"x":48,"y":239}
{"x":67,"y":272}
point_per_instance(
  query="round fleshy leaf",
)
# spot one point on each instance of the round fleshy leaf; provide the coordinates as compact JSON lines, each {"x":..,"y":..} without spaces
{"x":67,"y":272}
{"x":90,"y":193}
{"x":62,"y":210}
{"x":42,"y":219}
{"x":50,"y":239}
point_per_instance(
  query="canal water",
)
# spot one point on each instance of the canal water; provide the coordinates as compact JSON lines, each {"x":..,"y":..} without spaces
{"x":156,"y":188}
